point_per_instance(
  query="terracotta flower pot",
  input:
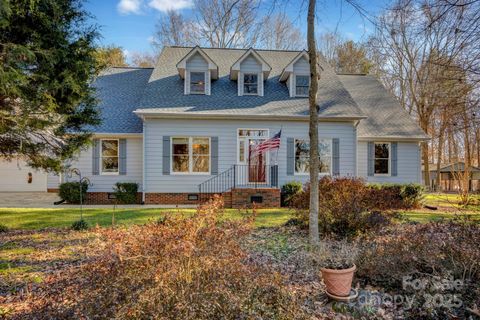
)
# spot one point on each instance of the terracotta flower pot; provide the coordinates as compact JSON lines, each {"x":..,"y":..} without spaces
{"x":338,"y":282}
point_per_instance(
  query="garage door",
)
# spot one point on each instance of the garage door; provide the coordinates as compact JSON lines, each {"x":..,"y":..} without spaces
{"x":16,"y":176}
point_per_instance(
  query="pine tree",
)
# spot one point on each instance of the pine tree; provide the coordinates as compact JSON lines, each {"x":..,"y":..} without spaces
{"x":46,"y":67}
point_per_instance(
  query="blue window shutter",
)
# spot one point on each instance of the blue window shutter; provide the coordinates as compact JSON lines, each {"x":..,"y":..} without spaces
{"x":290,"y":156}
{"x":122,"y":159}
{"x":214,"y":160}
{"x":394,"y":159}
{"x":371,"y":158}
{"x":166,"y":155}
{"x":336,"y":156}
{"x":96,"y":157}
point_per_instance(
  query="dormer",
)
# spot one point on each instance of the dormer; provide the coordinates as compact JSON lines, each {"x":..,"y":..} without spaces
{"x":250,"y":71}
{"x":198,"y":71}
{"x":297,"y":75}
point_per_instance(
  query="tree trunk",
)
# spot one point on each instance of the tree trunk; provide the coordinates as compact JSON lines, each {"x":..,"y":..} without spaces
{"x":313,"y":128}
{"x":425,"y":158}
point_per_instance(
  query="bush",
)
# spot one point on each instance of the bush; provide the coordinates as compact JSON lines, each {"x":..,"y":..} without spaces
{"x":395,"y":196}
{"x":70,"y":191}
{"x":183,"y":268}
{"x":432,"y":252}
{"x":79,"y":225}
{"x":126,"y":192}
{"x":289,"y":190}
{"x":343,"y":207}
{"x":3,"y":228}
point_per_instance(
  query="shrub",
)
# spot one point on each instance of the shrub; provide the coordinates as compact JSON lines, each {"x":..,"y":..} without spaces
{"x":343,"y":206}
{"x":289,"y":190}
{"x":126,"y":192}
{"x":3,"y":228}
{"x":395,"y":196}
{"x":183,"y":268}
{"x":79,"y":225}
{"x":70,"y":191}
{"x":333,"y":254}
{"x":432,"y":252}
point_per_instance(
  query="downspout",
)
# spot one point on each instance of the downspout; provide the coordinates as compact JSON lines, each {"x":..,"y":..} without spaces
{"x":143,"y":161}
{"x":355,"y":147}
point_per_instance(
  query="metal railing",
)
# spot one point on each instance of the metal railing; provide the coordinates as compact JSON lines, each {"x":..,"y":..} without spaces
{"x":241,"y":176}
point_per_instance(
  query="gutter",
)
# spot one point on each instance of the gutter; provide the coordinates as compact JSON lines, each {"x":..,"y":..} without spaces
{"x":146,"y":114}
{"x":394,"y":138}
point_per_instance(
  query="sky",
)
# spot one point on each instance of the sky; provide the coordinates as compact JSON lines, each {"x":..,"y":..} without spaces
{"x":130,"y":24}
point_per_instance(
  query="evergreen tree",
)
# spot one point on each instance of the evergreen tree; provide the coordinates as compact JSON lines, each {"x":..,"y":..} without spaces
{"x":46,"y":67}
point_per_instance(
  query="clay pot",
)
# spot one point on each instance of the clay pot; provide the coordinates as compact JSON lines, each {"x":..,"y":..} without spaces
{"x":338,"y":282}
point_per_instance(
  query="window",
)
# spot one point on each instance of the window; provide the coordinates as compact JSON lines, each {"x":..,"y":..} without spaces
{"x":197,"y":82}
{"x":190,"y":155}
{"x":250,"y":83}
{"x":302,"y":156}
{"x":382,"y":158}
{"x":109,"y":156}
{"x":248,"y":139}
{"x":302,"y":84}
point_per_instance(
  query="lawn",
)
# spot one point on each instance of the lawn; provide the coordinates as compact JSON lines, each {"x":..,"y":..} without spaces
{"x":33,"y":218}
{"x":36,"y":218}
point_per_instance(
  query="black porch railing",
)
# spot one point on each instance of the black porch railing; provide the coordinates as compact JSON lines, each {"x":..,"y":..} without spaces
{"x":241,"y":176}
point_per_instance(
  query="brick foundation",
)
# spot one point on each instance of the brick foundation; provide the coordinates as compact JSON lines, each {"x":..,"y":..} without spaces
{"x":241,"y":198}
{"x":102,"y":198}
{"x":51,"y":190}
{"x":237,"y":198}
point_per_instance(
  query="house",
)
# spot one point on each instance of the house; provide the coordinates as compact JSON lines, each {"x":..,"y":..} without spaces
{"x":189,"y":127}
{"x":453,"y":175}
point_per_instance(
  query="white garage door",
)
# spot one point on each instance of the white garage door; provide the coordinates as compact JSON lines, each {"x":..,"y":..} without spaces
{"x":16,"y":176}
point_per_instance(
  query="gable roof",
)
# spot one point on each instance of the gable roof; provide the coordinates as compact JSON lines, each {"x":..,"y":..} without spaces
{"x":289,"y":67}
{"x":456,"y":166}
{"x":164,"y":93}
{"x":182,"y":64}
{"x":386,"y":117}
{"x":118,"y":91}
{"x":235,"y":68}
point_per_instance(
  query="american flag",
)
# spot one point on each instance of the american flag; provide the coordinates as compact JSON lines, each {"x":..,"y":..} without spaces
{"x":270,"y":144}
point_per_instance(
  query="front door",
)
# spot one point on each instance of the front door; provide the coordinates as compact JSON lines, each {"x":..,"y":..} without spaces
{"x":256,"y":163}
{"x":251,"y":165}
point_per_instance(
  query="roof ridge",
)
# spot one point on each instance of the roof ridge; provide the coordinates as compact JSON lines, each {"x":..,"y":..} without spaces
{"x":239,"y":49}
{"x":129,"y":67}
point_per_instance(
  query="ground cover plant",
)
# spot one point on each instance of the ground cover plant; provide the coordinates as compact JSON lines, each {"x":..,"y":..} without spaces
{"x":188,"y":268}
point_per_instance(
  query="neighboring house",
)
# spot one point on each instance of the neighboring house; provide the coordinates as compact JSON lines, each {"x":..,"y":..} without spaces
{"x":187,"y":127}
{"x":452,"y":174}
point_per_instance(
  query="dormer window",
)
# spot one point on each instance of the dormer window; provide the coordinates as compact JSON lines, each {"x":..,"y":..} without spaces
{"x":302,"y":85}
{"x":197,"y":70}
{"x":250,"y":83}
{"x":250,"y":71}
{"x":197,"y":82}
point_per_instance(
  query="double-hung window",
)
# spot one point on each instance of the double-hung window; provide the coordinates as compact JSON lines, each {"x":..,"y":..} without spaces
{"x":302,"y":85}
{"x":197,"y":82}
{"x":382,"y":158}
{"x":250,"y":83}
{"x":109,"y":156}
{"x":302,"y":156}
{"x":190,"y":155}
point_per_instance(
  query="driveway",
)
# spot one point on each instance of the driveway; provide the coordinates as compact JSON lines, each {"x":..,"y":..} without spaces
{"x":46,"y":200}
{"x":28,"y":200}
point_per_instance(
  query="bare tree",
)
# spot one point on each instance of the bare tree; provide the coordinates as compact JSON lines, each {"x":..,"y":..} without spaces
{"x":279,"y":33}
{"x":352,"y":58}
{"x":174,"y":30}
{"x":143,"y":60}
{"x":328,"y":45}
{"x":313,"y":124}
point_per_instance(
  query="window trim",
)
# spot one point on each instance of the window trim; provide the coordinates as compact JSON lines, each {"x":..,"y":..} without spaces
{"x":258,"y":84}
{"x":190,"y":156}
{"x":295,"y":86}
{"x":103,"y":173}
{"x":204,"y":84}
{"x":246,"y":146}
{"x":389,"y":174}
{"x":321,"y":174}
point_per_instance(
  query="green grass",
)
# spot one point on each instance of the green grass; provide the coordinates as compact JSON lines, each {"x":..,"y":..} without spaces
{"x":450,"y":200}
{"x":33,"y":218}
{"x":423,"y":217}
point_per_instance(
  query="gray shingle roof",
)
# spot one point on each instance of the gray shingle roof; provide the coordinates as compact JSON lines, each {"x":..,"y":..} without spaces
{"x":164,"y":91}
{"x":386,"y":117}
{"x":118,"y":91}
